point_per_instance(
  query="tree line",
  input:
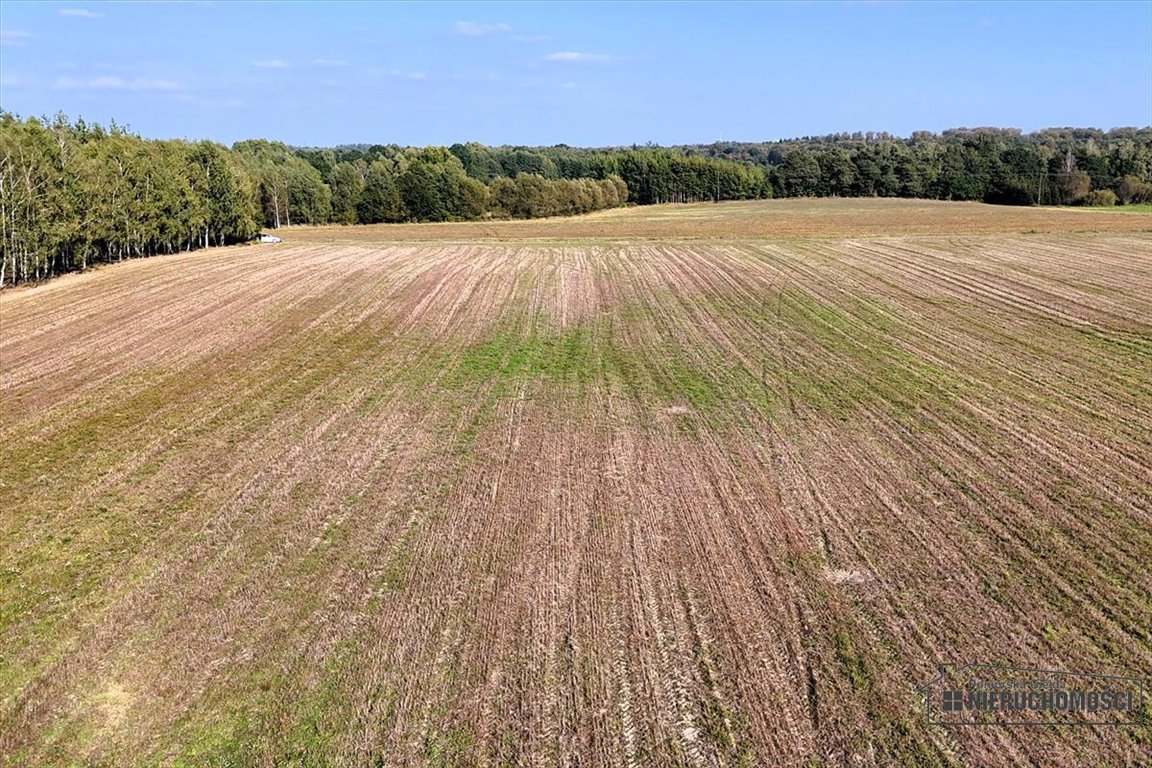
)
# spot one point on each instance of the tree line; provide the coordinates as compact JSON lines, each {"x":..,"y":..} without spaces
{"x":650,"y":174}
{"x":395,"y":184}
{"x":73,"y":194}
{"x":1055,"y":166}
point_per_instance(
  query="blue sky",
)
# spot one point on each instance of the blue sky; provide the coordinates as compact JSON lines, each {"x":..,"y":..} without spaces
{"x":581,"y":74}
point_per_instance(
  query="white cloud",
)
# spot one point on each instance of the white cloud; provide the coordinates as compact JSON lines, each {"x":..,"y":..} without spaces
{"x":270,"y":64}
{"x":188,"y":98}
{"x":12,"y":81}
{"x":79,"y":13}
{"x":580,"y":58}
{"x":330,"y":62}
{"x":114,"y":83}
{"x":406,"y":75}
{"x":478,"y":29}
{"x":475,"y":29}
{"x":10,"y":37}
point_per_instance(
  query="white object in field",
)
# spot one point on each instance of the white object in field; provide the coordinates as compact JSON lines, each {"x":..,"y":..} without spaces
{"x":268,"y":238}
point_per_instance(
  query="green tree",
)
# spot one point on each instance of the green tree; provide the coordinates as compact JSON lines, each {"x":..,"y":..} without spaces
{"x":1131,"y":189}
{"x":380,"y":201}
{"x":347,"y":187}
{"x":799,"y":174}
{"x":1101,"y":197}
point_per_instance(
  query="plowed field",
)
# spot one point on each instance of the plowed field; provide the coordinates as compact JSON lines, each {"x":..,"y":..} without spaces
{"x":701,"y":502}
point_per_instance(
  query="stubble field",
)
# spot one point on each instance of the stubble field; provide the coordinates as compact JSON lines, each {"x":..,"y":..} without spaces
{"x":696,"y":485}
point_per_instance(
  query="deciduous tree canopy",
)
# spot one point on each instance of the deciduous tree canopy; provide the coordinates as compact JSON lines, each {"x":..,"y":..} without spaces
{"x":73,"y":194}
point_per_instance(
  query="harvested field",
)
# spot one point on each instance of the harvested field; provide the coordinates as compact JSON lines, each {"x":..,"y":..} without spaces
{"x":599,"y":503}
{"x":789,"y":218}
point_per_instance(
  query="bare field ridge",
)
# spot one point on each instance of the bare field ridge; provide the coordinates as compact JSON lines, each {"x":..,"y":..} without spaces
{"x":722,"y":501}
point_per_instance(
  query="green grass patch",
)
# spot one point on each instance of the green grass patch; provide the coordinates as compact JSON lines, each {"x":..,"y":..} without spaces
{"x":837,"y":360}
{"x":1130,"y":208}
{"x":564,"y":364}
{"x":510,"y":356}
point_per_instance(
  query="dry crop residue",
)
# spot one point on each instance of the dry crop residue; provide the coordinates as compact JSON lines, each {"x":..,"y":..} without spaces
{"x":694,"y":504}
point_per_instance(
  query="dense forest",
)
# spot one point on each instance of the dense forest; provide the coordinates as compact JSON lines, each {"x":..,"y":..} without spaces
{"x":74,"y":194}
{"x":1055,"y":166}
{"x":1058,"y":166}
